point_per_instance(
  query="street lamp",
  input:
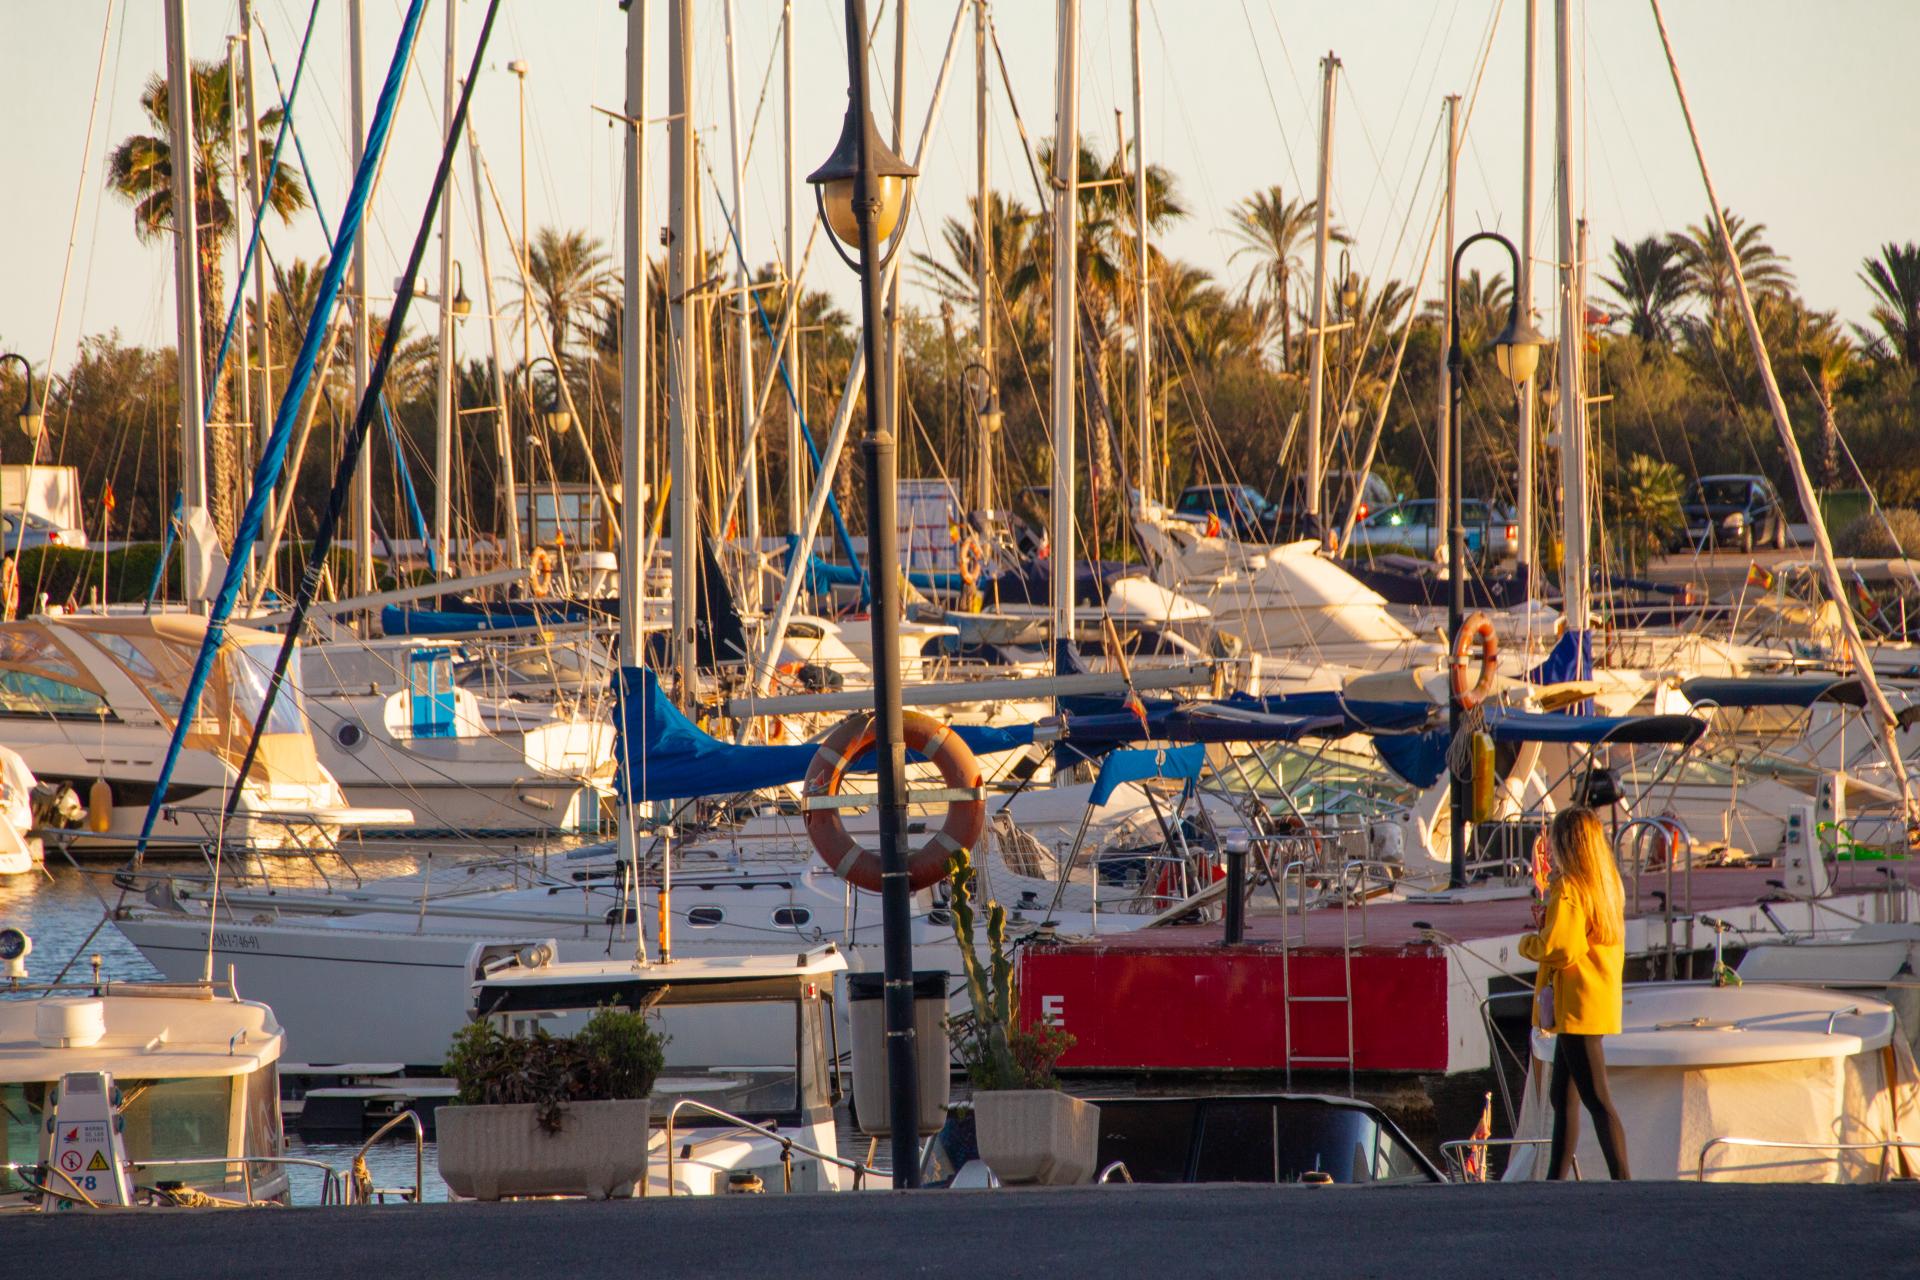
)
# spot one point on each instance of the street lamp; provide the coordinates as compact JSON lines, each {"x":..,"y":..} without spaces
{"x":32,"y":415}
{"x":461,"y":306}
{"x":551,"y":411}
{"x":1517,"y":352}
{"x":861,"y":191}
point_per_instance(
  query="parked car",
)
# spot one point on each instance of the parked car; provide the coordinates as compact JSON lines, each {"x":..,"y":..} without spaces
{"x":1491,"y":529}
{"x":40,"y":532}
{"x":1338,"y":491}
{"x":1241,"y":510}
{"x":1743,"y":512}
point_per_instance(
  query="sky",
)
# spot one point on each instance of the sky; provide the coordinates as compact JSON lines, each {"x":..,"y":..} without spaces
{"x":1805,"y":113}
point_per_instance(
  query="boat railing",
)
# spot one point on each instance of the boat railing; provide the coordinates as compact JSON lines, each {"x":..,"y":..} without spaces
{"x":1454,"y":1153}
{"x":1115,"y":1169}
{"x":364,"y":1190}
{"x":334,"y":1189}
{"x":1884,"y":1146}
{"x":787,"y":1146}
{"x":1672,"y":840}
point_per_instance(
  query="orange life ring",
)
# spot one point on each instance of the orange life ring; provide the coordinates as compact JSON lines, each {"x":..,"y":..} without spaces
{"x":973,"y":560}
{"x":540,"y":580}
{"x":926,"y":737}
{"x":1476,"y":625}
{"x":10,"y":586}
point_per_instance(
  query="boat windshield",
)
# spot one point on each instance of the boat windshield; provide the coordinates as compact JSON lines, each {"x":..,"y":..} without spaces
{"x":252,"y":666}
{"x":738,"y":1057}
{"x":180,"y":1119}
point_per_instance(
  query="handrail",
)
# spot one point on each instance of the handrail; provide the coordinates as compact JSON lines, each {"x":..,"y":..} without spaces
{"x":1777,"y":1145}
{"x":419,"y":1149}
{"x":787,"y":1145}
{"x":333,"y":1189}
{"x":1116,"y":1167}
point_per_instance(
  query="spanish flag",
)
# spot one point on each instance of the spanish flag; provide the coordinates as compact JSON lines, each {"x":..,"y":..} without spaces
{"x":1759,"y":577}
{"x":1864,"y":598}
{"x":1213,"y":524}
{"x":1138,"y":708}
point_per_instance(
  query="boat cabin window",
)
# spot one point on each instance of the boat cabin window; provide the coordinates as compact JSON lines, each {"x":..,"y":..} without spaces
{"x":740,"y":1057}
{"x":792,"y":917}
{"x":179,"y":1120}
{"x":23,"y":1111}
{"x":705,"y":917}
{"x":29,"y":693}
{"x":252,"y":667}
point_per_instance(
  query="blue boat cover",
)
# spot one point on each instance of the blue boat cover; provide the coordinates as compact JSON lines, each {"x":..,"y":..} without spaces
{"x":1554,"y":726}
{"x":1571,"y":659}
{"x":678,"y":759}
{"x":1775,"y":691}
{"x":1137,"y":764}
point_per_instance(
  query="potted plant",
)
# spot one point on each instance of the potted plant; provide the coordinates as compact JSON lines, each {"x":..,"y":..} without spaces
{"x":1027,"y":1129}
{"x":551,"y":1115}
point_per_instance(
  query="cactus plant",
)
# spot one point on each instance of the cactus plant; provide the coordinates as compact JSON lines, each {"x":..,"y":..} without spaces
{"x":998,"y":1052}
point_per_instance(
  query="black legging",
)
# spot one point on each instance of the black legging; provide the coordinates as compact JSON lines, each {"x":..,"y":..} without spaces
{"x":1579,"y":1064}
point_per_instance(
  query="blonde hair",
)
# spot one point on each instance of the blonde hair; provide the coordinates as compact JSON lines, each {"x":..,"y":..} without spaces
{"x":1583,"y":864}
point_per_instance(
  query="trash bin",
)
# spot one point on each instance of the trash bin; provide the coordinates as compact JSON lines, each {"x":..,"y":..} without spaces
{"x":866,"y":1010}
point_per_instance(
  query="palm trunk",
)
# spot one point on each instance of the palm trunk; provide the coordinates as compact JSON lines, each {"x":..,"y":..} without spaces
{"x":1286,"y":323}
{"x":222,"y":454}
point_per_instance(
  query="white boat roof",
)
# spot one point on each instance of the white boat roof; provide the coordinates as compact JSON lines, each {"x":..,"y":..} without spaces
{"x":822,"y":963}
{"x":1696,"y":1025}
{"x":153,"y":1032}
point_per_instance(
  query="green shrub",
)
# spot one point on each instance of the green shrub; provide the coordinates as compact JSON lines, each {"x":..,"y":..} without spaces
{"x":617,"y":1056}
{"x":1868,"y":536}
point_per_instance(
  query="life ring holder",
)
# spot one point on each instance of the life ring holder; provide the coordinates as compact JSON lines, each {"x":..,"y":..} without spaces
{"x":540,"y":572}
{"x":937,"y":743}
{"x":973,"y":560}
{"x":1476,"y":626}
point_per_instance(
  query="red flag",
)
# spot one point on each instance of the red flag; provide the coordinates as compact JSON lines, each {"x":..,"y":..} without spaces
{"x":107,"y":500}
{"x":1213,"y":524}
{"x":1138,"y":708}
{"x":1475,"y":1163}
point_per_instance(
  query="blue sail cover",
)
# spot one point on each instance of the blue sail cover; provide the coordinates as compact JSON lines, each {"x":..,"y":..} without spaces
{"x":678,"y":759}
{"x":1138,"y":764}
{"x":1571,"y":659}
{"x":1554,"y":726}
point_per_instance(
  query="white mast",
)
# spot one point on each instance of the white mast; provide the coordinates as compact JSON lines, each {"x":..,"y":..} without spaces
{"x":1143,"y":311}
{"x":743,"y":324}
{"x":681,"y":311}
{"x":1066,"y":203}
{"x":790,"y":352}
{"x":186,"y":281}
{"x":633,"y":392}
{"x":443,"y":421}
{"x":1317,"y":375}
{"x":983,"y":244}
{"x":894,"y":348}
{"x":362,"y":505}
{"x":502,"y":419}
{"x":256,"y":193}
{"x":1524,"y":480}
{"x":1572,"y":402}
{"x":1443,"y":474}
{"x":242,"y":385}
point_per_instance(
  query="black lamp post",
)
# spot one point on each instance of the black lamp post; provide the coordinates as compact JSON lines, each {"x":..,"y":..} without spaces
{"x":32,"y":414}
{"x":1517,"y":351}
{"x":861,"y":190}
{"x":552,"y":416}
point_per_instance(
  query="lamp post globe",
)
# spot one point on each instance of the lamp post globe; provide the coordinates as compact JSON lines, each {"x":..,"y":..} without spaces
{"x":1517,"y":349}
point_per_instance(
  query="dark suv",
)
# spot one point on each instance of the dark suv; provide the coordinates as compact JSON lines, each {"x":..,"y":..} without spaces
{"x":1242,"y":510}
{"x":1742,"y":512}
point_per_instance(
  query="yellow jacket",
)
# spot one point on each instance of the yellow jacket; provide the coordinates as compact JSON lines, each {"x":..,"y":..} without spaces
{"x":1585,"y":972}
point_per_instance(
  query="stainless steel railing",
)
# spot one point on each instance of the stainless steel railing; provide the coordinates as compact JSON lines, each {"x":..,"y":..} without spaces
{"x":1770,"y":1144}
{"x":787,"y":1146}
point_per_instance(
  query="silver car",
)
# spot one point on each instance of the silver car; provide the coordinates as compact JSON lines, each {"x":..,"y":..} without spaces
{"x":1412,"y":526}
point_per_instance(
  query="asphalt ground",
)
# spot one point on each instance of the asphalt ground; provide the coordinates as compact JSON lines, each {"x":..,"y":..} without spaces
{"x":1595,"y":1229}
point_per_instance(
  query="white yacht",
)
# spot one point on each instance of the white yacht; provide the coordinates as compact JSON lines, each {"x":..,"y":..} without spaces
{"x":20,"y":850}
{"x":93,"y":698}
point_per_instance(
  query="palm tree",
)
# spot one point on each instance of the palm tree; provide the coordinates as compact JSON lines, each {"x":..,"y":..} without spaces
{"x":1709,"y":275}
{"x":1894,"y":277}
{"x":570,"y":279}
{"x":1645,"y":496}
{"x":140,"y":171}
{"x":1650,"y":281}
{"x":1274,"y":231}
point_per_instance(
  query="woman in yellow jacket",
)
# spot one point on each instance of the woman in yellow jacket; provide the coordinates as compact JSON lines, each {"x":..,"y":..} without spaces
{"x":1580,"y":949}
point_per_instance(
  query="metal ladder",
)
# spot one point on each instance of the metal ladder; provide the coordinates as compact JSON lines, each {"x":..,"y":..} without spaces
{"x":1296,"y":873}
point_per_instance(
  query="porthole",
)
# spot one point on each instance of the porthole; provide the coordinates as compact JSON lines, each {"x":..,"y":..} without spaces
{"x":705,"y":917}
{"x":792,"y":917}
{"x":349,"y":734}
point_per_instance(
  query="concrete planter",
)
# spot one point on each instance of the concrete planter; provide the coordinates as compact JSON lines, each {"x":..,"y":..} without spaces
{"x":490,"y":1152}
{"x":1037,"y":1136}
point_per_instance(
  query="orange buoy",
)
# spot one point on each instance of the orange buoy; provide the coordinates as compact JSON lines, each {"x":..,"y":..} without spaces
{"x":966,"y":819}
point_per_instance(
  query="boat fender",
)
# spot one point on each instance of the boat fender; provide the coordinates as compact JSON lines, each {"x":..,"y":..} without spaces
{"x":973,"y":560}
{"x":100,"y":806}
{"x":1477,"y":627}
{"x":1484,"y":776}
{"x":540,"y":577}
{"x":927,"y":738}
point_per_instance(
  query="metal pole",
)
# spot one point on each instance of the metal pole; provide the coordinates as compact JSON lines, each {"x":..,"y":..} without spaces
{"x":633,"y":400}
{"x":899,"y":149}
{"x":1143,"y":310}
{"x":262,"y":313}
{"x":503,"y":417}
{"x":242,"y":385}
{"x":1317,"y":371}
{"x":1524,"y":482}
{"x":790,"y":352}
{"x":743,"y":325}
{"x":681,"y":313}
{"x":896,"y":900}
{"x":186,"y":280}
{"x":1066,"y":203}
{"x":363,"y":576}
{"x":443,"y":424}
{"x":1443,"y":456}
{"x":1572,"y":402}
{"x":983,"y":230}
{"x":519,"y":68}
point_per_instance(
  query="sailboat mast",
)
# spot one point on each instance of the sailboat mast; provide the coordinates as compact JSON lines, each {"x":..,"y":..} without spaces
{"x":633,"y":404}
{"x":443,"y":416}
{"x":1066,"y":203}
{"x":742,"y":320}
{"x":1143,"y":310}
{"x":1443,"y":451}
{"x":502,"y":419}
{"x":790,"y":351}
{"x":363,"y":577}
{"x":983,"y":251}
{"x":1523,"y":452}
{"x":262,"y":314}
{"x":186,"y":282}
{"x":1572,"y":402}
{"x":682,"y":311}
{"x":1317,"y":369}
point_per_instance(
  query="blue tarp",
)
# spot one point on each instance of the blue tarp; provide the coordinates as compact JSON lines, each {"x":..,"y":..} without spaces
{"x":1140,"y":763}
{"x":823,"y":577}
{"x":1554,"y":726}
{"x":1775,"y":691}
{"x":500,"y":616}
{"x":678,"y":759}
{"x":1571,"y":659}
{"x":1195,"y":722}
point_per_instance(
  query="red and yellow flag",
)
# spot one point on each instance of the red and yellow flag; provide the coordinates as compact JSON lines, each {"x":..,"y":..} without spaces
{"x":1759,"y":577}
